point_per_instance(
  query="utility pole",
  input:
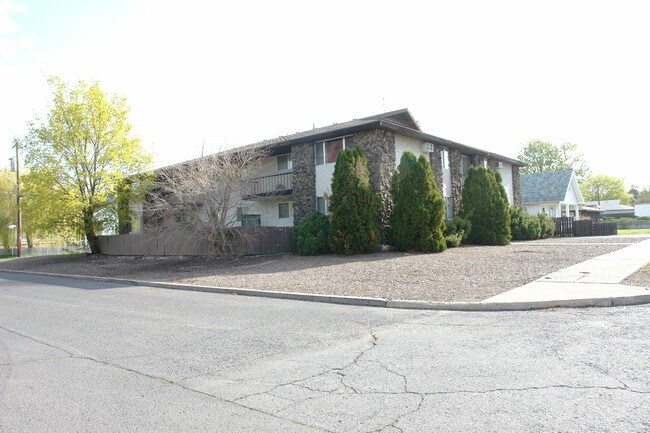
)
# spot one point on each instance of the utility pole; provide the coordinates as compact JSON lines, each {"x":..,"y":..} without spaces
{"x":19,"y":238}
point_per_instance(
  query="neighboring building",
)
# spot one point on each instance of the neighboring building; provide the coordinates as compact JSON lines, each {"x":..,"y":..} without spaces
{"x":555,"y":194}
{"x":296,"y":178}
{"x":612,"y":208}
{"x":642,"y":209}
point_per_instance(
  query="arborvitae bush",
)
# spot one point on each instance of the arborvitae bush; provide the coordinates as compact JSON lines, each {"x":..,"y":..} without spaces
{"x":353,"y":207}
{"x":417,"y":218}
{"x":524,"y":227}
{"x":547,"y":226}
{"x":311,"y":234}
{"x":456,"y":231}
{"x":485,"y":204}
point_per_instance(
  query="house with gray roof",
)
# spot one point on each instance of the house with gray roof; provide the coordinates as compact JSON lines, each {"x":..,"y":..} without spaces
{"x":555,"y":194}
{"x":295,"y":177}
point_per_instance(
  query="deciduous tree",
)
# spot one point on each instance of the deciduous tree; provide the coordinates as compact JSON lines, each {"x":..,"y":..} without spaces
{"x":544,"y":156}
{"x":201,"y":198}
{"x":7,"y":207}
{"x":79,"y":155}
{"x":602,"y":187}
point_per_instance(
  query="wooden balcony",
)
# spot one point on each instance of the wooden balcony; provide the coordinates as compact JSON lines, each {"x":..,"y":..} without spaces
{"x":276,"y":185}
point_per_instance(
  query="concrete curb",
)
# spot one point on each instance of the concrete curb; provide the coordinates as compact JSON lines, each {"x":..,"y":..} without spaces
{"x":369,"y":302}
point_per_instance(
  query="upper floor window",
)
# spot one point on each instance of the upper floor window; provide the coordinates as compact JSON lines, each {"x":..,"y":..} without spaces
{"x":284,"y":162}
{"x":328,"y":151}
{"x":444,"y":158}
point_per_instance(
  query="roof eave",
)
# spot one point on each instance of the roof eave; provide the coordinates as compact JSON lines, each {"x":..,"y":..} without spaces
{"x":447,"y":143}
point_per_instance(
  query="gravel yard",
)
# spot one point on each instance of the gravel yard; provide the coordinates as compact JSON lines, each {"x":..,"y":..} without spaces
{"x":468,"y":273}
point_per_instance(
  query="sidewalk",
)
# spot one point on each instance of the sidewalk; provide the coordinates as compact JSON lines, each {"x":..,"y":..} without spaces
{"x":594,"y":279}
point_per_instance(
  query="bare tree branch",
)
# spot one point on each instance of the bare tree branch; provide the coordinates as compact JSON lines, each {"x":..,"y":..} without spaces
{"x":202,"y":197}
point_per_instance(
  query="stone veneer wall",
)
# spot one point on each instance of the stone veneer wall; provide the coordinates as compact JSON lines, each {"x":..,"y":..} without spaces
{"x":303,"y":180}
{"x":435,"y":159}
{"x":477,"y":160}
{"x":455,"y":169}
{"x":516,"y":185}
{"x":378,"y":146}
{"x":492,"y":163}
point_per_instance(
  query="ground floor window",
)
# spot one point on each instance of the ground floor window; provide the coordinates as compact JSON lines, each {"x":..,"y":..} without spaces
{"x":251,"y":220}
{"x":449,"y":208}
{"x":285,"y":209}
{"x":321,"y":205}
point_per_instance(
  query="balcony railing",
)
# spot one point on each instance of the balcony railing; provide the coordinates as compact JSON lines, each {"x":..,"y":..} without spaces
{"x":268,"y":186}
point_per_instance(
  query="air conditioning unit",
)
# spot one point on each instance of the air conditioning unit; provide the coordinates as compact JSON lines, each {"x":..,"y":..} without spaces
{"x":428,"y":147}
{"x":499,"y":164}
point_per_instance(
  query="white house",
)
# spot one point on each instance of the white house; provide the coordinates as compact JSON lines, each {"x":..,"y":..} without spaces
{"x":555,"y":194}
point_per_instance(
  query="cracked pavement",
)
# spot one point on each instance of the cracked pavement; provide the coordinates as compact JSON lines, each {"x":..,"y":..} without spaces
{"x":80,"y":356}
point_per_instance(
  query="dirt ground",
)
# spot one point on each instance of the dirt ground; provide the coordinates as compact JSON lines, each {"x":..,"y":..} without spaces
{"x":468,"y":273}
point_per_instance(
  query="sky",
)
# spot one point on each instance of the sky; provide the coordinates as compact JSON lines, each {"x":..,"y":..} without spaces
{"x":202,"y":76}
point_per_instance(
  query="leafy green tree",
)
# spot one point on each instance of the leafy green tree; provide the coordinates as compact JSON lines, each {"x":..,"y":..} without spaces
{"x":79,"y":155}
{"x":485,"y":205}
{"x":544,"y":156}
{"x":7,"y":207}
{"x":643,"y":196}
{"x":417,"y":219}
{"x":602,"y":187}
{"x":354,"y":208}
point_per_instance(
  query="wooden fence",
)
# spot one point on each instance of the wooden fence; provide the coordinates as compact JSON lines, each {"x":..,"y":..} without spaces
{"x":569,"y":227}
{"x":247,"y":241}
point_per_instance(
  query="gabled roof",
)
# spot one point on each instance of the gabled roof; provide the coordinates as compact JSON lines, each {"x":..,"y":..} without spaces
{"x":548,"y":187}
{"x":398,"y":121}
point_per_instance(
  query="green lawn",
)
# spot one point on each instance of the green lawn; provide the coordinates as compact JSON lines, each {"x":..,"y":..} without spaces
{"x":633,"y":231}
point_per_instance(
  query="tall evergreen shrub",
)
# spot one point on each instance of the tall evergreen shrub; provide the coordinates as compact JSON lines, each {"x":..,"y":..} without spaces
{"x":417,"y":218}
{"x":353,"y":207}
{"x":485,"y":204}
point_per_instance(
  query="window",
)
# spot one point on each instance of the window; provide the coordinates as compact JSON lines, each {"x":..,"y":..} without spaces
{"x":321,"y":205}
{"x":251,"y":220}
{"x":285,"y":209}
{"x":284,"y":162}
{"x":449,"y":208}
{"x":444,"y":157}
{"x":328,"y":151}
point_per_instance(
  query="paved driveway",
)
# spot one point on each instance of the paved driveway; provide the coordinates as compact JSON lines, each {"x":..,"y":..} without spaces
{"x":86,"y":356}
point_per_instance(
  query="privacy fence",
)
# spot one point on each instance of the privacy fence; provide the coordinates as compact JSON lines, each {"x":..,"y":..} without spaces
{"x":569,"y":227}
{"x":246,"y":241}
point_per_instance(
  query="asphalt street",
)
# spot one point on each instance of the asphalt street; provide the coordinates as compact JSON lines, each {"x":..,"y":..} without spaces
{"x":79,"y":356}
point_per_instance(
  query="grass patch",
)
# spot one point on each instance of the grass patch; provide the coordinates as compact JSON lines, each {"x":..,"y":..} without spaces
{"x":633,"y":231}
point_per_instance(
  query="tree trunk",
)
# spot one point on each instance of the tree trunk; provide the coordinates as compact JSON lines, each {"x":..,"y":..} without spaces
{"x":89,"y":230}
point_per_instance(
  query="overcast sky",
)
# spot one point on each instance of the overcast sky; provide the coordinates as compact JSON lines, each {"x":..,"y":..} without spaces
{"x":214,"y":74}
